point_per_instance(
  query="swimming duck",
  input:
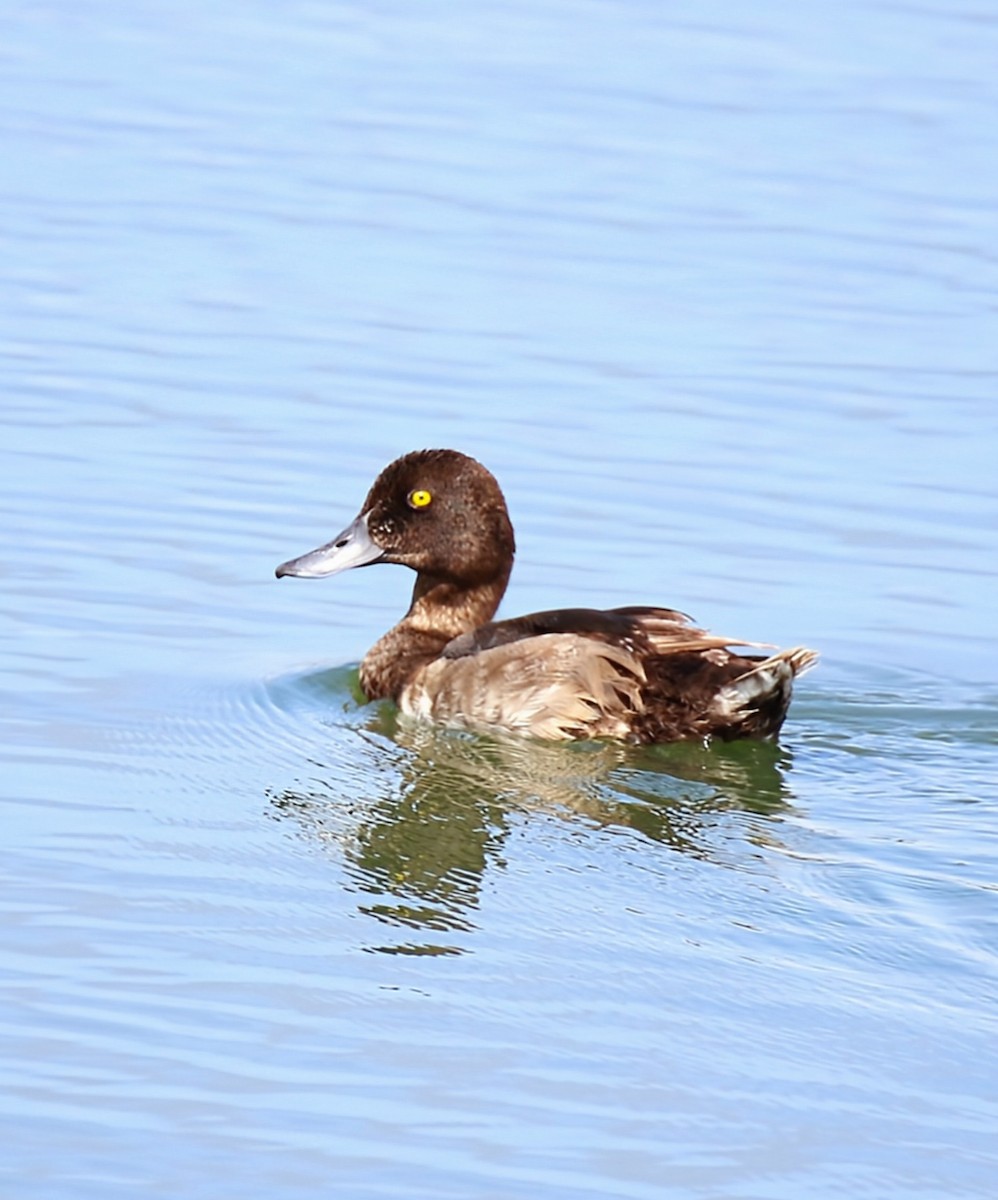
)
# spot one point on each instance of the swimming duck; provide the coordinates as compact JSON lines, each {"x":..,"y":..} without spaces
{"x":637,"y":674}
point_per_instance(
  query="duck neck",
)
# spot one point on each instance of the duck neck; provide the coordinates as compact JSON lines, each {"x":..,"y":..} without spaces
{"x":447,"y":609}
{"x":441,"y":609}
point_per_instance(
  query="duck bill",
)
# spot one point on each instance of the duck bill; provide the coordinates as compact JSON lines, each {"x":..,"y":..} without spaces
{"x":353,"y":548}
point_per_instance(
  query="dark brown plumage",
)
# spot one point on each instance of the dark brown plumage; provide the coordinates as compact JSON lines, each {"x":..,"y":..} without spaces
{"x":640,"y":674}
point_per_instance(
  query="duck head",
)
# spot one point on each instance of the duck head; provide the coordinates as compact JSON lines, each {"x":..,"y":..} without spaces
{"x":437,"y":511}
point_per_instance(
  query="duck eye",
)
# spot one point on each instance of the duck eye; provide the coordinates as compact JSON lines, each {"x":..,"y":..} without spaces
{"x":419,"y":498}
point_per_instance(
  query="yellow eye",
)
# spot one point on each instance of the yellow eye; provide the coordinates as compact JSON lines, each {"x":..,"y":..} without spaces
{"x":419,"y":498}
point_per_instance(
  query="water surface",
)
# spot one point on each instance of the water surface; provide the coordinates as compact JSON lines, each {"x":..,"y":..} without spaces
{"x":714,"y":297}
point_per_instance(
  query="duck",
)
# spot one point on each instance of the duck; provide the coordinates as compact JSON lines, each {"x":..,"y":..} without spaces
{"x":636,"y":674}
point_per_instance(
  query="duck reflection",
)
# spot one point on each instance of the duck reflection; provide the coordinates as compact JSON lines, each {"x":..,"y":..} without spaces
{"x":449,"y":800}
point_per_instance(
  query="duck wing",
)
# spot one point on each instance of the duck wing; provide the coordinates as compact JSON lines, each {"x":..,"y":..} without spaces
{"x":579,"y":673}
{"x":638,"y":629}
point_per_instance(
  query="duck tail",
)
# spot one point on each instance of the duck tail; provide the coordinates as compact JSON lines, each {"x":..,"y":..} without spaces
{"x":756,"y":703}
{"x":799,"y":659}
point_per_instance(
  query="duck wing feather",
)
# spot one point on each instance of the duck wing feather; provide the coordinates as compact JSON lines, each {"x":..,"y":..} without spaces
{"x":637,"y":628}
{"x":567,"y":673}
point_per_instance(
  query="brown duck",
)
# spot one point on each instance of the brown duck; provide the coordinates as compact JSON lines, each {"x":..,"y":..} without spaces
{"x":639,"y":674}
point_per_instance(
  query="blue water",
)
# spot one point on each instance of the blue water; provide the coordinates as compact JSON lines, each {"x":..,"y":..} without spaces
{"x":713,"y":294}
